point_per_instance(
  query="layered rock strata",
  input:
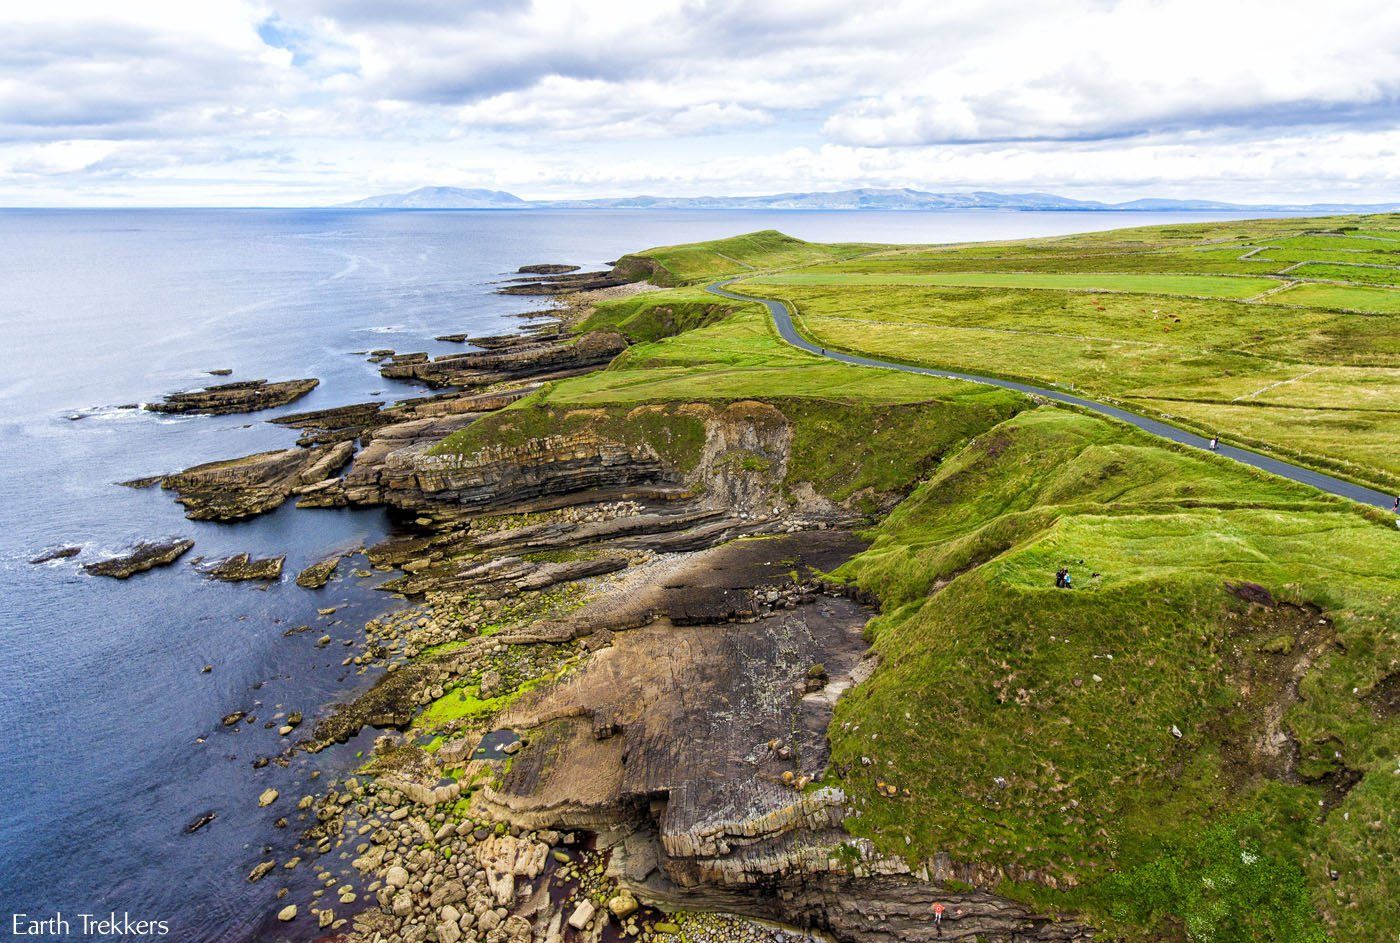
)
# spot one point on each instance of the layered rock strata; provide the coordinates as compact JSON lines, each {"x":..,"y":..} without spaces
{"x":143,"y":556}
{"x":540,"y":359}
{"x":242,"y":397}
{"x":254,"y":484}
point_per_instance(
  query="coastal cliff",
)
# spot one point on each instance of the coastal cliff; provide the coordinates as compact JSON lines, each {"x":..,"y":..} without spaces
{"x":709,"y":638}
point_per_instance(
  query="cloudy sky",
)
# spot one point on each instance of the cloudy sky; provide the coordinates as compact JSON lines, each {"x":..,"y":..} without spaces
{"x":297,"y":102}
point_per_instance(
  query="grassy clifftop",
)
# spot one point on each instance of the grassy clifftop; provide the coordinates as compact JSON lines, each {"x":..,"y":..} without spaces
{"x":740,"y":255}
{"x":1279,"y":334}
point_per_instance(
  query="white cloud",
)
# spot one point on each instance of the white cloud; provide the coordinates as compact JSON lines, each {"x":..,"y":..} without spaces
{"x":311,"y":100}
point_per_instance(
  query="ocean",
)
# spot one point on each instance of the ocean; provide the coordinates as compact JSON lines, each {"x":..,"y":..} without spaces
{"x":102,"y":700}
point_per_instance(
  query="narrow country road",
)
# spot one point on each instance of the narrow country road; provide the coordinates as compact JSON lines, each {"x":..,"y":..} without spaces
{"x":1346,"y":489}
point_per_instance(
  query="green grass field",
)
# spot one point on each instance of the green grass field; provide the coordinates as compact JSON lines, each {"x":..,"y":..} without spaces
{"x":1199,"y":742}
{"x":1343,"y":297}
{"x":1174,"y":320}
{"x":1209,"y":286}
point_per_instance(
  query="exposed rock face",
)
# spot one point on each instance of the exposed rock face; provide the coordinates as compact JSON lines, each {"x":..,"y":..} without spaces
{"x":243,"y":487}
{"x":241,"y":567}
{"x":243,"y":397}
{"x":718,"y":723}
{"x":889,"y":908}
{"x":745,"y":458}
{"x":517,"y":362}
{"x":564,"y":467}
{"x":144,"y":556}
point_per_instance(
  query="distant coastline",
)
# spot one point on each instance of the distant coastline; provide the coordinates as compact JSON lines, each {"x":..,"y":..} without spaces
{"x":457,"y":198}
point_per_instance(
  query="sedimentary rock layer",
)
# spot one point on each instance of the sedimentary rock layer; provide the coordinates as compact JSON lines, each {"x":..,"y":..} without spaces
{"x":243,"y":397}
{"x":143,"y":556}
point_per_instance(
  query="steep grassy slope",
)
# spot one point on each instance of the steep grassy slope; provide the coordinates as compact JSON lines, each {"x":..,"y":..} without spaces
{"x":1278,"y":334}
{"x":654,"y":315}
{"x":1034,"y":728}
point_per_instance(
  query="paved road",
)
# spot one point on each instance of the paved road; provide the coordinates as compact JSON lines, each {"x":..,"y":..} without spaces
{"x":783,"y":319}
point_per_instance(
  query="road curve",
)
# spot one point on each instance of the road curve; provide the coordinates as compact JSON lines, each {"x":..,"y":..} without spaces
{"x":1345,"y":489}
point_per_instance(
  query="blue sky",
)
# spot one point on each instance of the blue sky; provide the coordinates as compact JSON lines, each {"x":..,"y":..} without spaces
{"x":227,"y":102}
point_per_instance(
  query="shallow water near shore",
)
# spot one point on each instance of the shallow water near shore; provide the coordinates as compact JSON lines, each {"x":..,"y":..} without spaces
{"x":102,"y":697}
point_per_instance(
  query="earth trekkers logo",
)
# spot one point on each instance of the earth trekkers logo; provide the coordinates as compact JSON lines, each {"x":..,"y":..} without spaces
{"x":112,"y":924}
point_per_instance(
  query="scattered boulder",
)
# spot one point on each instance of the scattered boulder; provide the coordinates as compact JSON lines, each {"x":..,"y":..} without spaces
{"x":201,"y":820}
{"x":623,"y":905}
{"x":268,"y":797}
{"x":581,"y":915}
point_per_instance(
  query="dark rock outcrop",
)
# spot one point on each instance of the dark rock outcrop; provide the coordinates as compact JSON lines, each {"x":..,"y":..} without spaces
{"x":510,"y":362}
{"x":548,"y":268}
{"x":254,"y":484}
{"x":57,"y":553}
{"x":318,"y":574}
{"x":243,"y":397}
{"x":242,"y":567}
{"x":504,"y":341}
{"x":563,"y":284}
{"x":144,"y":556}
{"x":337,"y":424}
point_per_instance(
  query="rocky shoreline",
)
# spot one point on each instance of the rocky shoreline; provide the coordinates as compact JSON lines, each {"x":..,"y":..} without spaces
{"x":603,"y":713}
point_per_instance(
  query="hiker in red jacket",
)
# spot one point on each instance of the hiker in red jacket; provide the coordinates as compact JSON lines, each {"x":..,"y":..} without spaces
{"x":938,"y":917}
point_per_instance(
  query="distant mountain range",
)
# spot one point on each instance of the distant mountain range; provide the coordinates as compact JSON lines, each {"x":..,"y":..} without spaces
{"x":457,"y":198}
{"x":443,"y":198}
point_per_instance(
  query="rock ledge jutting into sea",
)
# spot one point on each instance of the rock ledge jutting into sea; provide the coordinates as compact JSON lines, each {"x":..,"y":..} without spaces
{"x":143,"y":556}
{"x":245,"y":396}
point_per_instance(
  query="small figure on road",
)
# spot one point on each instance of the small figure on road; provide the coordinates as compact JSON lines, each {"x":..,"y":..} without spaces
{"x":1214,"y":442}
{"x":1396,"y":506}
